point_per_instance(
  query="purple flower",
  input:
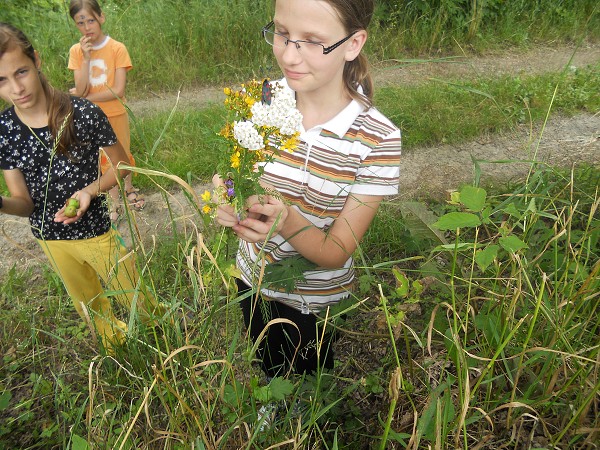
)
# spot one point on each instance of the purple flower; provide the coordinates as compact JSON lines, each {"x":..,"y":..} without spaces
{"x":229,"y":183}
{"x":231,"y":192}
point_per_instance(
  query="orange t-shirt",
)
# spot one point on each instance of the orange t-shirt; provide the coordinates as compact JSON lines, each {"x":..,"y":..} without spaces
{"x":105,"y":59}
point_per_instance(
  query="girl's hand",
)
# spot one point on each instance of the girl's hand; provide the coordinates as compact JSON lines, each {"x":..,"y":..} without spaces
{"x":86,"y":47}
{"x":84,"y":199}
{"x":266,"y":218}
{"x":226,"y":214}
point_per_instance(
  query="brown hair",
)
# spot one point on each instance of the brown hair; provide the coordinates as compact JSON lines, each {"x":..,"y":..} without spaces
{"x":356,"y":15}
{"x":77,"y":5}
{"x":59,"y":106}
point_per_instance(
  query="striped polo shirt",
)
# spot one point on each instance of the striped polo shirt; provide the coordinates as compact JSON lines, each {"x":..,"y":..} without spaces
{"x":356,"y":152}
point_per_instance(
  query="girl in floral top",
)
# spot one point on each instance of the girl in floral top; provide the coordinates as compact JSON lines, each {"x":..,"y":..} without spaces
{"x":49,"y":150}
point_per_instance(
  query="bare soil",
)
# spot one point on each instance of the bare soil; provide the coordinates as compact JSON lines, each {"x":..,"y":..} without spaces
{"x":426,"y":172}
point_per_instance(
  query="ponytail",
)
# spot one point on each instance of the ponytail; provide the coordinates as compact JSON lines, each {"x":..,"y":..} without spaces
{"x":60,"y":117}
{"x":356,"y":73}
{"x":356,"y":15}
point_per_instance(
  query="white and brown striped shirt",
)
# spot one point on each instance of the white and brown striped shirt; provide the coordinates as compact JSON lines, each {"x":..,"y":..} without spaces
{"x":356,"y":152}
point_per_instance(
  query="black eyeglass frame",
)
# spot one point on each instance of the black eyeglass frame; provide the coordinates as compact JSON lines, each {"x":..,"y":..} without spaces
{"x":326,"y":50}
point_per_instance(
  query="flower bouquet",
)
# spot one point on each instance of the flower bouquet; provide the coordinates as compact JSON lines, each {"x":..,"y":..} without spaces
{"x":263,"y":122}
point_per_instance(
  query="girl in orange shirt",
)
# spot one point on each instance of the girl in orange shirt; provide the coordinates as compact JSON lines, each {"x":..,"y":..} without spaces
{"x":100,"y":65}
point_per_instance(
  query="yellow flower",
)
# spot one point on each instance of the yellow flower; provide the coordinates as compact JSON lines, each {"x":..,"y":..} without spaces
{"x":206,"y":209}
{"x":228,"y":131}
{"x":206,"y":196}
{"x":290,"y":144}
{"x":227,"y":91}
{"x":235,"y":160}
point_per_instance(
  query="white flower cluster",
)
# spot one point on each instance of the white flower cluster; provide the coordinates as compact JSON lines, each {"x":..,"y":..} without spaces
{"x":247,"y":135}
{"x":281,"y":113}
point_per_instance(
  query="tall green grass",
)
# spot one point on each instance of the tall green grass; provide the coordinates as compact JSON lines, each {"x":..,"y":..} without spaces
{"x":172,"y":44}
{"x":175,"y":44}
{"x":431,"y":26}
{"x":486,"y":329}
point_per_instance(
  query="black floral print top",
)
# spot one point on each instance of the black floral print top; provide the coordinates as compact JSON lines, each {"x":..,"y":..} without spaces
{"x":53,"y":178}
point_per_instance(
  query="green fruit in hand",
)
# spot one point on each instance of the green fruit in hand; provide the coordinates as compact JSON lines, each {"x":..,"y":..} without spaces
{"x":71,"y":207}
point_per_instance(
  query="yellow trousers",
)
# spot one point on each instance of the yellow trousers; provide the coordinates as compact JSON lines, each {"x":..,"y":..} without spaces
{"x":86,"y":267}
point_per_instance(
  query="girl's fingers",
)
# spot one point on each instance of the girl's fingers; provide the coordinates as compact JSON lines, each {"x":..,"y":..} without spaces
{"x":226,"y":216}
{"x":248,"y":235}
{"x":62,"y":218}
{"x":252,"y":230}
{"x":217,"y":180}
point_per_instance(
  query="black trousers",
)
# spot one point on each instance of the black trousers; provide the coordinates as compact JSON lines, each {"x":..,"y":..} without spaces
{"x":285,"y":347}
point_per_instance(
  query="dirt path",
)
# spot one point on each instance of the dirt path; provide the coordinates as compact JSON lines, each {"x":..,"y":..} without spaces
{"x":410,"y":72}
{"x":425,"y":171}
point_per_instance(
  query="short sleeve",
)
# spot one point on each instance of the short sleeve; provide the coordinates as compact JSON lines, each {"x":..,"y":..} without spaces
{"x":379,"y":171}
{"x":122,"y":60}
{"x":75,"y":57}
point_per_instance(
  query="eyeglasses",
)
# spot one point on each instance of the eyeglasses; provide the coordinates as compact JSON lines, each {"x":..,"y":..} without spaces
{"x":280,"y":41}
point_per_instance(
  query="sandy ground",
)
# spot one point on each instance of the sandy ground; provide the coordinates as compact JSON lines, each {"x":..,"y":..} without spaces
{"x":425,"y":171}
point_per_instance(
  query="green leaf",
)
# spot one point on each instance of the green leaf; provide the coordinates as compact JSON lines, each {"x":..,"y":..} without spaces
{"x":402,"y":438}
{"x":417,"y":287}
{"x":419,"y":220}
{"x":512,"y":210}
{"x":49,"y":431}
{"x":485,"y":257}
{"x":287,"y":272}
{"x":485,"y":215}
{"x":454,"y":198}
{"x":280,"y":388}
{"x":402,"y":284}
{"x":364,"y":283}
{"x":234,"y":393}
{"x":473,"y":197}
{"x":79,"y":443}
{"x":512,"y":243}
{"x":452,"y":247}
{"x":335,"y":445}
{"x":5,"y":400}
{"x":454,"y":220}
{"x":276,"y":390}
{"x":440,"y":400}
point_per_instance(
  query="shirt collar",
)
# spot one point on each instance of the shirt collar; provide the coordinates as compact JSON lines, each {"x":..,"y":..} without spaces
{"x":102,"y":44}
{"x":342,"y":122}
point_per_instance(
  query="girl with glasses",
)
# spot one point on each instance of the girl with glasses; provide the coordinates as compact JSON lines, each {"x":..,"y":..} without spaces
{"x":49,"y":149}
{"x":329,"y":188}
